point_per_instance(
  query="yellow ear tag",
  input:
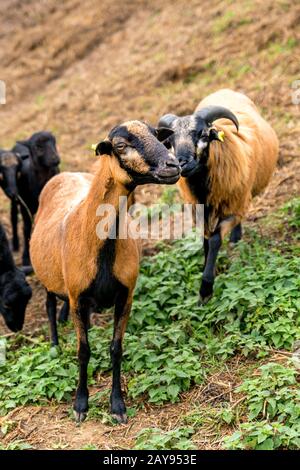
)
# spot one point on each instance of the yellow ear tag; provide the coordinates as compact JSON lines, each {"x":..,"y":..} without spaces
{"x":221,"y":136}
{"x":94,"y":146}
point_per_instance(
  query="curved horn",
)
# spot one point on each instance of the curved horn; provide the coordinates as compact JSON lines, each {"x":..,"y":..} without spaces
{"x":167,"y":120}
{"x":211,"y":113}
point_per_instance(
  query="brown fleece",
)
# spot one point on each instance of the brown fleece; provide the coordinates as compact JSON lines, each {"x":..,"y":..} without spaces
{"x":241,"y":166}
{"x":64,"y":236}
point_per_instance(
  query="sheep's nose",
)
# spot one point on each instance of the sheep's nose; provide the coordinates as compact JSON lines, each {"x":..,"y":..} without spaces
{"x":172,"y":162}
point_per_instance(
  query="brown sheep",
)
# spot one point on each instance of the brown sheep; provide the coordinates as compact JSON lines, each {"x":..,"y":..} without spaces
{"x":73,"y":263}
{"x":222,"y":166}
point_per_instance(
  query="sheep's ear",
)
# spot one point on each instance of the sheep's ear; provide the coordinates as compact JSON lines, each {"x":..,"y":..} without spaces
{"x":23,"y":149}
{"x":216,"y":135}
{"x":104,"y":148}
{"x":163,"y":133}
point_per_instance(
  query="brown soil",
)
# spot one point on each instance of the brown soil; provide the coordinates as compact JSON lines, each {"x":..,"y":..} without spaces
{"x":79,"y":68}
{"x":52,"y":427}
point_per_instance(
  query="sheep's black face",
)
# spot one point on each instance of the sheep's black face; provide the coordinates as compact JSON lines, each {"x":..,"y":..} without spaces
{"x":10,"y":166}
{"x":43,"y":148}
{"x":15,"y":294}
{"x":192,"y":135}
{"x":140,"y":153}
{"x":190,"y":139}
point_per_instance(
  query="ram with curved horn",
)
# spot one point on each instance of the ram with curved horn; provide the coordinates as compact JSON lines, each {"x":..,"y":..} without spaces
{"x":227,"y":153}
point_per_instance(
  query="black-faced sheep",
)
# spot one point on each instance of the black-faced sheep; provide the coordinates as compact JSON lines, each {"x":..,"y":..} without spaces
{"x":73,"y":263}
{"x":223,"y":166}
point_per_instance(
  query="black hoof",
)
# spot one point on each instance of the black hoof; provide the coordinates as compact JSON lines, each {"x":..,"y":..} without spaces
{"x":79,"y":416}
{"x":206,"y":292}
{"x":81,"y":406}
{"x":121,"y":419}
{"x":233,"y":241}
{"x":204,"y":300}
{"x":118,"y":411}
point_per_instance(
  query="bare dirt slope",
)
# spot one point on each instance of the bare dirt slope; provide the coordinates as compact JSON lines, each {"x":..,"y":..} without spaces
{"x":79,"y":68}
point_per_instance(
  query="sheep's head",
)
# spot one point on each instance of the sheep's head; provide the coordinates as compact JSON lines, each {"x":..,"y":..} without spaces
{"x":15,"y":294}
{"x":142,"y":157}
{"x":192,"y":135}
{"x":43,"y":150}
{"x":10,"y":166}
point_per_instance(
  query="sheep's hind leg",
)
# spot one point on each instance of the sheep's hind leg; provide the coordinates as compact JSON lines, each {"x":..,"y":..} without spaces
{"x":122,"y":311}
{"x":80,"y":314}
{"x":214,"y":245}
{"x":206,"y":248}
{"x":64,"y":312}
{"x":236,"y":234}
{"x":51,"y":312}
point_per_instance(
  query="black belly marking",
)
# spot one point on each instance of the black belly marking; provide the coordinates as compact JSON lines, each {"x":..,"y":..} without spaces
{"x":104,"y":289}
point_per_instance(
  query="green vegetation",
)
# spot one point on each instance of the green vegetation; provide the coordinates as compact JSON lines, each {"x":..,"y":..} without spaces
{"x":89,"y":447}
{"x":292,"y":209}
{"x":157,"y":439}
{"x":273,"y":398}
{"x":172,"y":343}
{"x":278,"y":47}
{"x":40,"y":100}
{"x":229,"y":19}
{"x":16,"y":445}
{"x":169,"y":195}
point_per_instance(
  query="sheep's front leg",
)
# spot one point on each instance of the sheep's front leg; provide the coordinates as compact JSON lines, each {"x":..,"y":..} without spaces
{"x":80,"y":314}
{"x":51,"y":312}
{"x":211,"y":248}
{"x":14,"y":225}
{"x":122,"y":311}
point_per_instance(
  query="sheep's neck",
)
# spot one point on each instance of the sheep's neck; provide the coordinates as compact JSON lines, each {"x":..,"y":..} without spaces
{"x":105,"y":189}
{"x":199,"y":182}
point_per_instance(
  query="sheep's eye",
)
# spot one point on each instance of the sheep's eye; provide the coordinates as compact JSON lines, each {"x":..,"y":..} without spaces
{"x":120,"y":146}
